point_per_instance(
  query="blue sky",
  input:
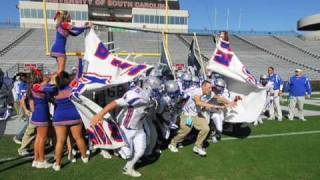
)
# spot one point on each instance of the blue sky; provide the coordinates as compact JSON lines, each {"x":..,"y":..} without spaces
{"x":260,"y":15}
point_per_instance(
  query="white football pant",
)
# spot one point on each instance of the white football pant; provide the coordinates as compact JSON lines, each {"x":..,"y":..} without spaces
{"x":136,"y":145}
{"x":217,"y":119}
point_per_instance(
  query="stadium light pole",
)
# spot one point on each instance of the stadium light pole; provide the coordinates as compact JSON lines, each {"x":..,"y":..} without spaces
{"x":228,"y":18}
{"x":215,"y":18}
{"x":240,"y":16}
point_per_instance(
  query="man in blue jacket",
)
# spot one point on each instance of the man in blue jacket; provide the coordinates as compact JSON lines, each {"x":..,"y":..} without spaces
{"x":276,"y":80}
{"x":298,"y":87}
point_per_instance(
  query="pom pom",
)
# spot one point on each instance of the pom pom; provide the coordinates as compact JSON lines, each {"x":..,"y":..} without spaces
{"x":66,"y":26}
{"x":36,"y":71}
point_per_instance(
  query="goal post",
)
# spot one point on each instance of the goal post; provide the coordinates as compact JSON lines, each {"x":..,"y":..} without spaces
{"x":122,"y":54}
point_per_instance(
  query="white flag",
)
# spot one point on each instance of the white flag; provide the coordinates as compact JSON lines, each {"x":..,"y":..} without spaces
{"x":105,"y":69}
{"x":240,"y":82}
{"x":105,"y":135}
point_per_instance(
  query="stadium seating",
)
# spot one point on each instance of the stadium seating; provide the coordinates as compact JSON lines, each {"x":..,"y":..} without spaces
{"x":254,"y":58}
{"x":257,"y":52}
{"x":9,"y":35}
{"x":282,"y":49}
{"x":310,"y":46}
{"x":144,"y":42}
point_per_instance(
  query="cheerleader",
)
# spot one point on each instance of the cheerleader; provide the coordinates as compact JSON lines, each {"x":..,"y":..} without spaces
{"x":66,"y":117}
{"x":40,"y":116}
{"x":64,"y":28}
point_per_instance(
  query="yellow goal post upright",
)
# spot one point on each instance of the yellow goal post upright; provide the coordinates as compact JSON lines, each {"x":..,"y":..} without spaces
{"x":121,"y":54}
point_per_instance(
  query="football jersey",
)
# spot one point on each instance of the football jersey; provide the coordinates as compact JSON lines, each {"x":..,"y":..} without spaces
{"x":169,"y":108}
{"x":179,"y":82}
{"x":135,"y":103}
{"x":225,"y":94}
{"x":270,"y":95}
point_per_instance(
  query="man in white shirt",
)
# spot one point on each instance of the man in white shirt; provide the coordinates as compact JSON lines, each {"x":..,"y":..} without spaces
{"x":191,"y":117}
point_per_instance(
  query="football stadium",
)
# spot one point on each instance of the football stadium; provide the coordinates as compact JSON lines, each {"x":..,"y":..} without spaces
{"x":159,"y":89}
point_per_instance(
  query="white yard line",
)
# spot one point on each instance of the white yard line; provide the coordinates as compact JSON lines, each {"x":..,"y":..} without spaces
{"x":273,"y":135}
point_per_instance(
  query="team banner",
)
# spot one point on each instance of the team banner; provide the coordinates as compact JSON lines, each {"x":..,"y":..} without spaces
{"x":240,"y":83}
{"x":104,"y":69}
{"x":105,"y":135}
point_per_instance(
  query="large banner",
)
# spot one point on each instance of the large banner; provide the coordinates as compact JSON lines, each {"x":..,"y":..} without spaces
{"x":104,"y":69}
{"x":105,"y":135}
{"x":240,"y":83}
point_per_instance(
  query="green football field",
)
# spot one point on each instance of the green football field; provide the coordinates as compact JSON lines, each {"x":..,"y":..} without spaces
{"x":273,"y":150}
{"x":292,"y":152}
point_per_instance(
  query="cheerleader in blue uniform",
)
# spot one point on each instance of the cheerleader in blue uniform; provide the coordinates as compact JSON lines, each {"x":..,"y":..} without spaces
{"x":66,"y":116}
{"x":40,"y":116}
{"x":64,"y":28}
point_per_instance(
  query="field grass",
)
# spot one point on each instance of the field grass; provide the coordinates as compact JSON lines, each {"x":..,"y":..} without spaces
{"x":286,"y":157}
{"x":315,"y":96}
{"x":306,"y":105}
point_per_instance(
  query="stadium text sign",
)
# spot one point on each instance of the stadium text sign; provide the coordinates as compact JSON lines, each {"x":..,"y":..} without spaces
{"x":128,"y":4}
{"x":90,"y":2}
{"x":134,"y":4}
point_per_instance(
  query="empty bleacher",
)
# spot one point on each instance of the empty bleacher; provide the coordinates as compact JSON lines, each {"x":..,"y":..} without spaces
{"x":310,"y":46}
{"x":138,"y":42}
{"x":7,"y":36}
{"x":247,"y":48}
{"x":280,"y":48}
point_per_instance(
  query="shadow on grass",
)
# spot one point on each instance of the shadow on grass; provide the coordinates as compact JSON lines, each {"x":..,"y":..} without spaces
{"x":147,"y":160}
{"x":16,"y":165}
{"x":21,"y":160}
{"x":239,"y":130}
{"x":3,"y":125}
{"x":10,"y":159}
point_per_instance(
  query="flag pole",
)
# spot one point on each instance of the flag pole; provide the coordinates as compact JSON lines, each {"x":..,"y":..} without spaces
{"x":198,"y":47}
{"x":167,"y":22}
{"x":168,"y":57}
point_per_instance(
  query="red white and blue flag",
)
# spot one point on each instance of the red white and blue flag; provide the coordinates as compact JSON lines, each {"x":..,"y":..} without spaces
{"x":105,"y":135}
{"x":240,"y":83}
{"x":104,"y":70}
